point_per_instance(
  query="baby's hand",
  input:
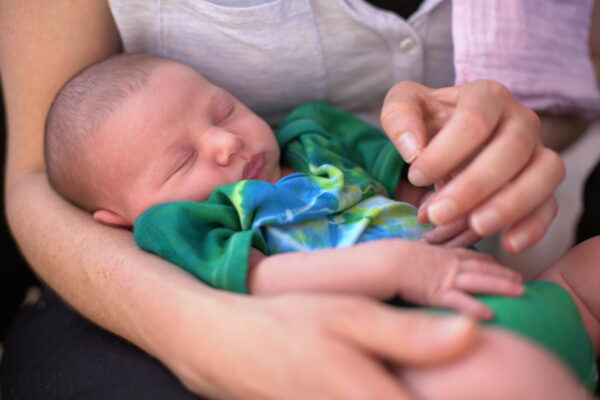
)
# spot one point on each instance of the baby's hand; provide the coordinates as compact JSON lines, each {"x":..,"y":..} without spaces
{"x":445,"y":277}
{"x":457,"y":233}
{"x":454,"y":234}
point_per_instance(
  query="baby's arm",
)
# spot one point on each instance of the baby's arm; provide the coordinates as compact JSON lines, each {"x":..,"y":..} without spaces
{"x":383,"y":269}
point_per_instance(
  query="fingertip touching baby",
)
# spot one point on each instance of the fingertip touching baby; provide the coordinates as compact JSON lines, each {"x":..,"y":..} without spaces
{"x":147,"y":143}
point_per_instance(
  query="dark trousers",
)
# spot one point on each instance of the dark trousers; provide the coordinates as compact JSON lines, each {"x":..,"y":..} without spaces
{"x":53,"y":353}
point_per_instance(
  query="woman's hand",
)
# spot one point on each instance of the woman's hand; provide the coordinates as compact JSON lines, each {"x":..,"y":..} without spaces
{"x":308,"y":346}
{"x":487,"y":146}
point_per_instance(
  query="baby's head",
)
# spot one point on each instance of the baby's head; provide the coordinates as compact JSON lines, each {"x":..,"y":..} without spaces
{"x":137,"y":130}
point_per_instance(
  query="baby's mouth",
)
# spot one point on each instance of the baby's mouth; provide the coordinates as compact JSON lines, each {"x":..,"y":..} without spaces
{"x":254,"y":167}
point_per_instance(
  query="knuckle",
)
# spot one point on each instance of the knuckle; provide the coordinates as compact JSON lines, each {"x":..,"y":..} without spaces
{"x":494,"y":88}
{"x":401,"y":87}
{"x":478,"y":127}
{"x":393,"y":111}
{"x":521,"y":146}
{"x":532,"y":119}
{"x":553,"y":162}
{"x":451,"y":273}
{"x":407,"y":85}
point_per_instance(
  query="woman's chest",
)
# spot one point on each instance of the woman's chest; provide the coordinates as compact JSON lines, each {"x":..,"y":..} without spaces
{"x":276,"y":54}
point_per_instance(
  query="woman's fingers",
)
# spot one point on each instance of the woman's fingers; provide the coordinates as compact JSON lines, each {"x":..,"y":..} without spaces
{"x":532,"y":188}
{"x":331,"y":347}
{"x":530,"y":230}
{"x":403,"y":118}
{"x":418,"y":338}
{"x":504,"y":157}
{"x":479,"y":108}
{"x":489,"y":146}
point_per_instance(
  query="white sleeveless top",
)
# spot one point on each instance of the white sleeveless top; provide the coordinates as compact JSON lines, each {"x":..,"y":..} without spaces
{"x":277,"y":54}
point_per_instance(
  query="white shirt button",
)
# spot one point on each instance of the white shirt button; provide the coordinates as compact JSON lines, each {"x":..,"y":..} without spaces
{"x":408,"y":45}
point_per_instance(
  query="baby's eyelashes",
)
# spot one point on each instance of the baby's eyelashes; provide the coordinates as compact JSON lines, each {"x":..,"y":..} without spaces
{"x":223,"y":111}
{"x":183,"y":159}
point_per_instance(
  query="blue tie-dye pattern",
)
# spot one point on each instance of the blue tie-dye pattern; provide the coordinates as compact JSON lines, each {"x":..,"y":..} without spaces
{"x":300,"y":213}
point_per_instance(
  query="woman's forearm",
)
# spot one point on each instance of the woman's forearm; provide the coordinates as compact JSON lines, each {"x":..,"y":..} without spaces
{"x":100,"y":271}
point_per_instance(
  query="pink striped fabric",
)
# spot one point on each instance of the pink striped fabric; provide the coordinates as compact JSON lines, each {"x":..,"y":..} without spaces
{"x":537,"y":48}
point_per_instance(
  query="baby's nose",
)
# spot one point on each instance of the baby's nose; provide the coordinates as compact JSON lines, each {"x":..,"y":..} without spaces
{"x":227,"y":144}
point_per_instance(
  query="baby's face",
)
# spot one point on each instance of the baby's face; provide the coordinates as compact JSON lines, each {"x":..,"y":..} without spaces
{"x":179,"y":138}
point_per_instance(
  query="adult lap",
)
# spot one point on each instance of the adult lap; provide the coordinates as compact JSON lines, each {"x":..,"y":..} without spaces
{"x":68,"y":357}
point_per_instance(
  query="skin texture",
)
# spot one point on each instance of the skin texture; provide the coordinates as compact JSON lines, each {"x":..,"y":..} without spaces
{"x":146,"y":300}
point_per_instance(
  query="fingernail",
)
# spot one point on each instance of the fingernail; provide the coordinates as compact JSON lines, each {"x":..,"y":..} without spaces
{"x":485,"y":222}
{"x":518,"y":241}
{"x":406,"y":144}
{"x":442,"y":212}
{"x":417,"y":178}
{"x":451,"y":327}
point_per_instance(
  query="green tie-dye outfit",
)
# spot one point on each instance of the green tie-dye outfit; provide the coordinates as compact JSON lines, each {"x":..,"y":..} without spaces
{"x":340,"y":195}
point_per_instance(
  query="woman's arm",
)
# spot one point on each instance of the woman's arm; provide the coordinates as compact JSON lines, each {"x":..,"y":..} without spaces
{"x":215,"y":342}
{"x":96,"y":269}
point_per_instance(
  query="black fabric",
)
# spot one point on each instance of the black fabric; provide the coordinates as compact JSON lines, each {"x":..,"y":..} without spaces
{"x":52,"y":353}
{"x":15,"y":276}
{"x":589,"y":224}
{"x":404,"y":8}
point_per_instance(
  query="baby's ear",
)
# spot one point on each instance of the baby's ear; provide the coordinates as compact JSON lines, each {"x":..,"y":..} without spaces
{"x":108,"y":217}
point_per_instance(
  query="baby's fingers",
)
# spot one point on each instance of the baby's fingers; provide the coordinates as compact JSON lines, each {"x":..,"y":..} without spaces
{"x":482,"y":283}
{"x":492,"y":269}
{"x":446,"y":232}
{"x":462,"y":303}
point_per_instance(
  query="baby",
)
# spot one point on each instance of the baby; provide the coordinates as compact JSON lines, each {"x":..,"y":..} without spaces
{"x":134,"y":132}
